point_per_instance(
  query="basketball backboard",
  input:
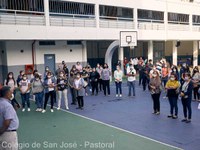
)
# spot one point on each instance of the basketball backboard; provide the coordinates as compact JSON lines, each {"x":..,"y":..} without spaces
{"x":128,"y":38}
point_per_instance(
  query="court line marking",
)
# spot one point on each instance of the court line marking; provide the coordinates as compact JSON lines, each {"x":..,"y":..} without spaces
{"x":108,"y":125}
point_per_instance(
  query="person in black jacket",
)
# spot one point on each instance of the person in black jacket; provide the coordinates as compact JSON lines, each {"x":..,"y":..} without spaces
{"x":94,"y":76}
{"x":186,"y":97}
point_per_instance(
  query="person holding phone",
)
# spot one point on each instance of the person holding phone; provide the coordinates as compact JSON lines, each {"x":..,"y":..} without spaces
{"x":131,"y":73}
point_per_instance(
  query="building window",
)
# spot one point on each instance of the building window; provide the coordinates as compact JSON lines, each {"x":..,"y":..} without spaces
{"x":45,"y":43}
{"x":196,"y":20}
{"x":112,"y":12}
{"x":150,"y":15}
{"x":71,"y":8}
{"x":175,"y":18}
{"x":74,"y":42}
{"x":23,"y":5}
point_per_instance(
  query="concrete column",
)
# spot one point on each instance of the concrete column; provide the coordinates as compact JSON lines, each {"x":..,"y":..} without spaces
{"x":190,"y":22}
{"x":84,"y":52}
{"x":97,"y":15}
{"x":46,"y":11}
{"x":135,"y":14}
{"x":150,"y":50}
{"x":195,"y":53}
{"x":121,"y":57}
{"x":174,"y":53}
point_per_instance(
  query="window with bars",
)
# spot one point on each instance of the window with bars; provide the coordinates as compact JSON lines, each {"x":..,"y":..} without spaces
{"x":150,"y":15}
{"x":176,"y":18}
{"x":196,"y":20}
{"x":23,"y":5}
{"x":112,"y":11}
{"x":74,"y":8}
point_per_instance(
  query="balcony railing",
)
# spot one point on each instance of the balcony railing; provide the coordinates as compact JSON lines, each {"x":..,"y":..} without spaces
{"x":116,"y":22}
{"x":144,"y":24}
{"x":21,"y":18}
{"x":175,"y":26}
{"x":69,"y":20}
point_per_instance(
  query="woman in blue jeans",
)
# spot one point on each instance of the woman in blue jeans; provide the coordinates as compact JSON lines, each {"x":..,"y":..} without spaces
{"x":118,"y":74}
{"x":38,"y":91}
{"x":186,"y":97}
{"x":172,"y":87}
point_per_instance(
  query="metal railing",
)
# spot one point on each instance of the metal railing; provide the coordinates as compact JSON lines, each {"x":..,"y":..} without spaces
{"x":146,"y":24}
{"x":21,"y":17}
{"x":178,"y":27}
{"x":116,"y":22}
{"x":69,"y":20}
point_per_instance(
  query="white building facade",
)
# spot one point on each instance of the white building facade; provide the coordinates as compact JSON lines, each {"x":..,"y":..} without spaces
{"x":46,"y":32}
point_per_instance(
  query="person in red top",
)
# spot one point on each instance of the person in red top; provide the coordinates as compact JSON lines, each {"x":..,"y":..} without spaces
{"x":125,"y":64}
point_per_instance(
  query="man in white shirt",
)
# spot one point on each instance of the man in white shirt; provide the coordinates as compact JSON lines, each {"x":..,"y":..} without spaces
{"x":131,"y":74}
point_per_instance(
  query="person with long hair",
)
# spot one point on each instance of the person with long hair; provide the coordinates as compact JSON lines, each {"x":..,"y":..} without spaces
{"x":10,"y":81}
{"x":49,"y":85}
{"x":38,"y":91}
{"x":172,"y":87}
{"x":106,"y":73}
{"x":94,"y":77}
{"x":80,"y":90}
{"x":118,"y":75}
{"x":62,"y":87}
{"x":186,"y":97}
{"x":195,"y":80}
{"x":155,"y":89}
{"x":24,"y":86}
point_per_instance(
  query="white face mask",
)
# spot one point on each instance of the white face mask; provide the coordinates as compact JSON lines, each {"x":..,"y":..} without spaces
{"x":10,"y":76}
{"x":12,"y":97}
{"x":24,"y":78}
{"x":172,"y":79}
{"x":61,"y":75}
{"x":37,"y":79}
{"x":154,"y":75}
{"x":186,"y":78}
{"x":78,"y":76}
{"x":48,"y":77}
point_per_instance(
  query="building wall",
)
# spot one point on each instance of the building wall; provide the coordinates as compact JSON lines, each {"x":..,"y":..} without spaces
{"x":186,"y":48}
{"x":17,"y":59}
{"x":3,"y":61}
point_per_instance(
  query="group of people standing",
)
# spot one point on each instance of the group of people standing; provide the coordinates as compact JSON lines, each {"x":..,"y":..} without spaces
{"x":176,"y":84}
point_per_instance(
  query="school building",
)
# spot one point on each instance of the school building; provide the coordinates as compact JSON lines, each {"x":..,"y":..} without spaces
{"x":39,"y":33}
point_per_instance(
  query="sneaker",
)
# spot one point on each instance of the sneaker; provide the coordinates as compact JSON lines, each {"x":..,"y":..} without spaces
{"x":58,"y":108}
{"x":67,"y":108}
{"x":116,"y":95}
{"x":29,"y":109}
{"x":158,"y":113}
{"x":184,"y":120}
{"x":120,"y":95}
{"x":40,"y":109}
{"x":170,"y":116}
{"x":174,"y":117}
{"x":52,"y":110}
{"x":188,"y":121}
{"x":23,"y":110}
{"x":37,"y":110}
{"x":44,"y":111}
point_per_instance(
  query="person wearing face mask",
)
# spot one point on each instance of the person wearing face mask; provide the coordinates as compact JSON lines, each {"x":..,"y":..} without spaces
{"x":49,"y":88}
{"x":118,"y":74}
{"x":79,"y":85}
{"x":60,"y":68}
{"x":106,"y":73}
{"x":24,"y":86}
{"x":19,"y":78}
{"x":94,"y":76}
{"x":46,"y":71}
{"x":38,"y":91}
{"x":174,"y":70}
{"x":9,"y":121}
{"x":62,"y":86}
{"x":186,"y":97}
{"x":131,"y":77}
{"x":164,"y":74}
{"x":99,"y":70}
{"x":195,"y":80}
{"x":10,"y":81}
{"x":155,"y":89}
{"x":172,"y":87}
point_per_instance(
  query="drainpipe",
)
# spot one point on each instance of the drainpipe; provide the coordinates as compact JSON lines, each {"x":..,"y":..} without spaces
{"x":33,"y":53}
